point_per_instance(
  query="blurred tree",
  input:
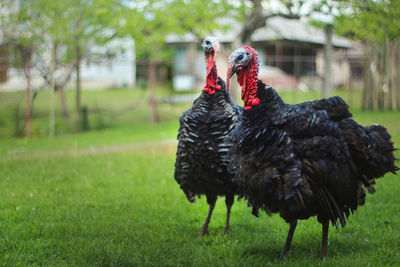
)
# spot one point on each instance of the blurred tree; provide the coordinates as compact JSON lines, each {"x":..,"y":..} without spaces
{"x":22,"y":42}
{"x":377,"y":24}
{"x":63,"y":30}
{"x":149,"y":22}
{"x":84,"y":23}
{"x":254,"y":14}
{"x":323,"y":13}
{"x":45,"y":18}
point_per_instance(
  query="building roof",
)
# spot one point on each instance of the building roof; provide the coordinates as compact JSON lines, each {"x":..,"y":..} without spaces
{"x":277,"y":28}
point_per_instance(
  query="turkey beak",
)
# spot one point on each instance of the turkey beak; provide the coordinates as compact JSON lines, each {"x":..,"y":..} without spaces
{"x":233,"y":68}
{"x":232,"y":71}
{"x":208,"y":48}
{"x":234,"y":63}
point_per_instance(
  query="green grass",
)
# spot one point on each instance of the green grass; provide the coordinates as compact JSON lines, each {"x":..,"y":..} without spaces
{"x":107,"y":109}
{"x":123,"y":208}
{"x":113,"y":116}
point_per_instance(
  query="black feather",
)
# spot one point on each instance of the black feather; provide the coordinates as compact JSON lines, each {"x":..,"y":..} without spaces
{"x":307,"y":159}
{"x":201,"y":163}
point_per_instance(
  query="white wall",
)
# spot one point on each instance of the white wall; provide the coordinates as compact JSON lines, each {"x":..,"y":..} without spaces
{"x":117,"y":72}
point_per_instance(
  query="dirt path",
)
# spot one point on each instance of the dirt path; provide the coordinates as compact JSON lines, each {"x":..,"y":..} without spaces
{"x":166,"y":146}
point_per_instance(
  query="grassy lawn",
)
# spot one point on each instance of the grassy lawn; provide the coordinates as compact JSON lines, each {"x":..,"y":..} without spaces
{"x":107,"y":197}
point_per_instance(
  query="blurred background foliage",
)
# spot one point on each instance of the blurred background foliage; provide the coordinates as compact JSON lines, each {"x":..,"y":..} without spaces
{"x":68,"y":28}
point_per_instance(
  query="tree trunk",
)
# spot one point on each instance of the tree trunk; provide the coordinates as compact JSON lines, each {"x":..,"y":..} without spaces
{"x":349,"y":85}
{"x":374,"y":79}
{"x":60,"y":88}
{"x":251,"y":24}
{"x":64,"y":109}
{"x":52,"y":114}
{"x":134,"y":64}
{"x":78,"y":87}
{"x":367,"y":77}
{"x":393,"y":70}
{"x":27,"y":72}
{"x":378,"y":79}
{"x":327,"y":85}
{"x":151,"y":77}
{"x":18,"y":130}
{"x":385,"y":70}
{"x":396,"y":72}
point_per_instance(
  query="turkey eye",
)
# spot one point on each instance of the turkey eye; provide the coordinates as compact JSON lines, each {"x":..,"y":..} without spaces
{"x":240,"y":57}
{"x":207,"y":42}
{"x":247,"y":53}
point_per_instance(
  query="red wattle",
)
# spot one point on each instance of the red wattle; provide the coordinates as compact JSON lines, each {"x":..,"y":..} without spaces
{"x":247,"y":107}
{"x":248,"y":80}
{"x":209,"y":90}
{"x":212,"y":76}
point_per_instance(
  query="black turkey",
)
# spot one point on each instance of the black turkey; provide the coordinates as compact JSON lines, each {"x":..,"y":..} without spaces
{"x":201,"y":165}
{"x":302,"y":160}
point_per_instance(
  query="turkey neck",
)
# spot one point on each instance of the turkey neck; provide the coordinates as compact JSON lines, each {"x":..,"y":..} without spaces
{"x":248,"y":81}
{"x":212,"y":76}
{"x":256,"y":94}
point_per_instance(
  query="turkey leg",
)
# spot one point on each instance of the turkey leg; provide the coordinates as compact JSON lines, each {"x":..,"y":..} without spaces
{"x":229,"y":202}
{"x":289,"y":238}
{"x":324,"y":248}
{"x":211,"y":202}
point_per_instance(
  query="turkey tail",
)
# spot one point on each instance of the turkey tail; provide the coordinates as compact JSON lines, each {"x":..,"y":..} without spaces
{"x":372,"y":150}
{"x":382,"y":150}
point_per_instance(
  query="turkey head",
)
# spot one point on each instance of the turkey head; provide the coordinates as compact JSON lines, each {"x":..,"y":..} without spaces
{"x":244,"y":63}
{"x":211,"y":47}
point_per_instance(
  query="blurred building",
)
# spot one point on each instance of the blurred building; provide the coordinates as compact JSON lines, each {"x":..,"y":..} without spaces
{"x":108,"y":66}
{"x":291,"y":54}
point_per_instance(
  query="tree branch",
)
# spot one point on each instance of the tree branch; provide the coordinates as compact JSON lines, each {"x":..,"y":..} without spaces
{"x":258,"y":20}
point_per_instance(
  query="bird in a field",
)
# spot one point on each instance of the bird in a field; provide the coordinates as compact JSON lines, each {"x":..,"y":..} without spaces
{"x":309,"y":159}
{"x":201,"y":165}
